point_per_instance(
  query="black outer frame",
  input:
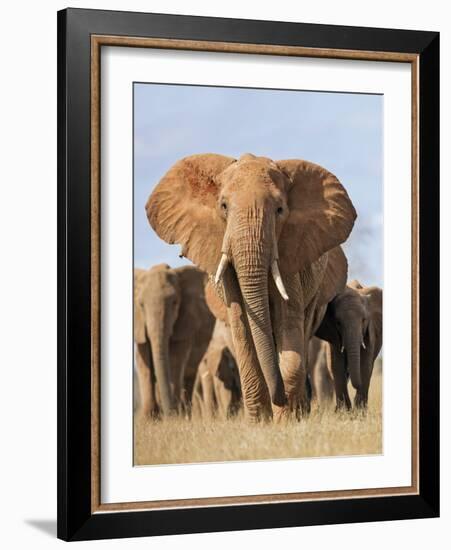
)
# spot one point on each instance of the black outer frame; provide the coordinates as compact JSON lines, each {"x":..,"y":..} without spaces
{"x":75,"y":520}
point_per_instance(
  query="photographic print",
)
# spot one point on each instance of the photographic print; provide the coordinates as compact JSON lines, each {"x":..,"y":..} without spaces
{"x":248,"y":272}
{"x":258,"y":273}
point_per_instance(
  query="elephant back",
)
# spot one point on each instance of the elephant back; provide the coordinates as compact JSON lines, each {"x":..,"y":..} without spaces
{"x":194,"y":314}
{"x":192,"y":280}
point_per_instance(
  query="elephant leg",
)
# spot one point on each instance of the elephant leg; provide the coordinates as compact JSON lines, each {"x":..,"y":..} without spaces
{"x":208,"y":391}
{"x":294,"y":376}
{"x":361,"y":398}
{"x":146,"y":380}
{"x":256,"y":401}
{"x":366,"y":370}
{"x":223,"y":398}
{"x":312,"y":375}
{"x":215,"y":386}
{"x":292,"y":367}
{"x":197,"y":397}
{"x":336,"y":365}
{"x":228,"y":341}
{"x":312,"y":312}
{"x":323,"y":381}
{"x":179,"y":352}
{"x":288,"y":326}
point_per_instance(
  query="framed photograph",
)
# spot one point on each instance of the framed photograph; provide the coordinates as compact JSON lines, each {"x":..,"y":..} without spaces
{"x":248,"y":274}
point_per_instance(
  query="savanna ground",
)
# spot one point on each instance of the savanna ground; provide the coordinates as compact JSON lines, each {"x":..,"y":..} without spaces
{"x":323,"y":433}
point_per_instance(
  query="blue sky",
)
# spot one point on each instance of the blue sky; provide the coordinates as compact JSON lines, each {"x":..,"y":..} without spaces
{"x":342,"y":132}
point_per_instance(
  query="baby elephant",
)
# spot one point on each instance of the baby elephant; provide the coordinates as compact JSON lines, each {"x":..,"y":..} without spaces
{"x":217,"y":389}
{"x":353,"y":327}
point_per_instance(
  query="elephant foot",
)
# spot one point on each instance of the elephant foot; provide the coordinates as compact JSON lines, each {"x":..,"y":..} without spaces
{"x":184,"y":410}
{"x":361,"y":402}
{"x":343,"y":405}
{"x":256,"y":418}
{"x":305,"y":406}
{"x":281,"y":414}
{"x":257,"y":412}
{"x":150,"y":414}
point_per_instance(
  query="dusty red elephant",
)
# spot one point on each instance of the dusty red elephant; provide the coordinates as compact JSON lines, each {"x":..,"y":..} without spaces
{"x":268,"y":234}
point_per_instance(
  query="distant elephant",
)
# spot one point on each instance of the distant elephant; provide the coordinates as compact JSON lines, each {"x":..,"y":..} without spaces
{"x":217,"y":389}
{"x":353,"y":327}
{"x":320,"y":377}
{"x":267,"y":233}
{"x":172,"y":328}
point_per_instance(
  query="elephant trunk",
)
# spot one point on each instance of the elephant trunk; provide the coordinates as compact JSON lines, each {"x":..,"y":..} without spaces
{"x":352,"y":346}
{"x":159,"y":341}
{"x":252,"y":255}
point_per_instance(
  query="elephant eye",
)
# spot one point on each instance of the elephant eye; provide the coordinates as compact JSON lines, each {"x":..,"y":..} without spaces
{"x":223,"y":206}
{"x":279,"y":210}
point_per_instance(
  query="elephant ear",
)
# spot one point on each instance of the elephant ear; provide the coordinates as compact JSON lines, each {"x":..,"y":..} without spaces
{"x":335,"y":276}
{"x":182,"y":208}
{"x":327,"y":329}
{"x":374,"y":296}
{"x":355,"y":284}
{"x":321,"y":214}
{"x":139,"y":329}
{"x":333,"y":282}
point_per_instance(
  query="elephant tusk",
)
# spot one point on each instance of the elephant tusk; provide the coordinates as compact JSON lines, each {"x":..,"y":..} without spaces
{"x":363,"y":345}
{"x":278,"y":280}
{"x":342,"y":349}
{"x":221,"y":268}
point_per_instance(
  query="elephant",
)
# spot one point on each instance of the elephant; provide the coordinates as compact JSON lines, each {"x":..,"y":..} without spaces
{"x":172,"y":329}
{"x":319,"y":374}
{"x":353,"y":327}
{"x":217,"y":389}
{"x":267,"y":233}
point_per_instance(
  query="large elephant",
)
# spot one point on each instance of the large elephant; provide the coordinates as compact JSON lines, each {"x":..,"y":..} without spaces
{"x":264,"y":231}
{"x":217,"y":389}
{"x":353,"y":327}
{"x":172,"y":328}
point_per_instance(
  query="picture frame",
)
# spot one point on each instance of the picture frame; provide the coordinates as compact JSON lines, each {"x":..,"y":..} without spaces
{"x":81,"y":35}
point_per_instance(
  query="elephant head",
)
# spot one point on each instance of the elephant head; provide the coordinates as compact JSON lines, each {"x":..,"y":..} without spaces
{"x":157,"y":302}
{"x":351,"y":320}
{"x":257,"y":217}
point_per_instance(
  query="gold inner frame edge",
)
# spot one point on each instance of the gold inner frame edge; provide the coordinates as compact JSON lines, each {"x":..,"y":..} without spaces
{"x":97,"y":41}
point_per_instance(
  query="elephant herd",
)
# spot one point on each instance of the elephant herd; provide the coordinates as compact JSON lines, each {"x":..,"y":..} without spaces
{"x":264,"y":320}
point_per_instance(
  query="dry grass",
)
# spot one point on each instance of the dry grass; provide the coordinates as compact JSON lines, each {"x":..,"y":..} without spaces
{"x":322,"y":433}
